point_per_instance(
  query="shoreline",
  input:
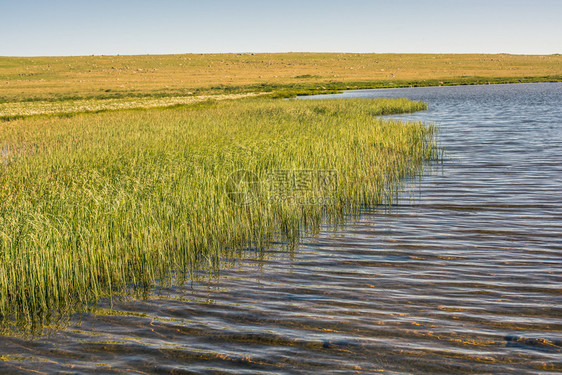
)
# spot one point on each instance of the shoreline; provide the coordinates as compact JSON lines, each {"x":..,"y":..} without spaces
{"x":10,"y":111}
{"x":468,"y":81}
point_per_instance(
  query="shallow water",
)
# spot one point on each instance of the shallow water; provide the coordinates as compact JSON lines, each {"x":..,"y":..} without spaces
{"x":463,"y":275}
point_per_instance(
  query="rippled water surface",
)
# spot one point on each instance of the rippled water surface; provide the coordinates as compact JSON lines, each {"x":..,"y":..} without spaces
{"x":463,"y":275}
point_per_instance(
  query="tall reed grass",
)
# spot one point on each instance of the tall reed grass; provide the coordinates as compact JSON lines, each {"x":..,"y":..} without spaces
{"x":100,"y":204}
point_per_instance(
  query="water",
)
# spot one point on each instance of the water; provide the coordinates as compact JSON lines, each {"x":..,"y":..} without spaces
{"x":465,"y":278}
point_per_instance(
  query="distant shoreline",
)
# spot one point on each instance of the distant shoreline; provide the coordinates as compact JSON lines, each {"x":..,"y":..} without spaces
{"x":10,"y":111}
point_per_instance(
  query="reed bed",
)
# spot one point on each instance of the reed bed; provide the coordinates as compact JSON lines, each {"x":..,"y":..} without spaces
{"x":98,"y":205}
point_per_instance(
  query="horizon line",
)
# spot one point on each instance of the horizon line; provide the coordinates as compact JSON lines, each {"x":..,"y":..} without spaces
{"x":286,"y":53}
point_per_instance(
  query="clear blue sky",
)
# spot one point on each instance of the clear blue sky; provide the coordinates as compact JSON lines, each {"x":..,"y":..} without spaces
{"x":77,"y":27}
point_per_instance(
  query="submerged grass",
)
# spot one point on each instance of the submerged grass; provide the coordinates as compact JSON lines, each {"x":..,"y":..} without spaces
{"x":100,"y":204}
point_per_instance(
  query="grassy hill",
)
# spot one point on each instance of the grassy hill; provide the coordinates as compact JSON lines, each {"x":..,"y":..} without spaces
{"x":58,"y":78}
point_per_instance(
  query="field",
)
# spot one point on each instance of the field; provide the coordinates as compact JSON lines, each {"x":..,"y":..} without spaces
{"x":55,"y":78}
{"x":99,"y":204}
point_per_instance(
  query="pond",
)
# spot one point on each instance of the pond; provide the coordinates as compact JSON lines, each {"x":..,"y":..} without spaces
{"x":463,"y":274}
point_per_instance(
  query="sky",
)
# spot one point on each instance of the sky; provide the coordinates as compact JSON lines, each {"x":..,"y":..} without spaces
{"x":77,"y":27}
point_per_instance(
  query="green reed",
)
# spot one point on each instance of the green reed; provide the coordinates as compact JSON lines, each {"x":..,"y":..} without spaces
{"x":102,"y":204}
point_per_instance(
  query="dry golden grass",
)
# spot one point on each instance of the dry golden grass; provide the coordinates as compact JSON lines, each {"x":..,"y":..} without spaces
{"x":33,"y":78}
{"x":13,"y":110}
